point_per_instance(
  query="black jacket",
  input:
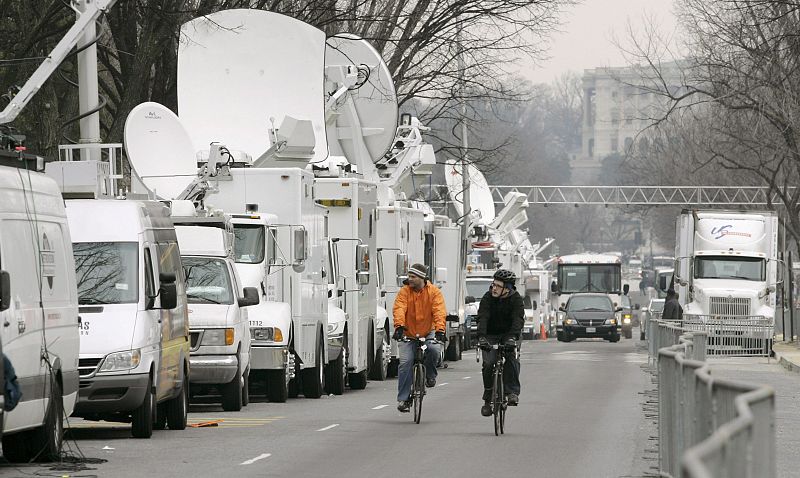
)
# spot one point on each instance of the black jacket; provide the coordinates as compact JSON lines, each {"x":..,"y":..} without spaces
{"x":672,"y":310}
{"x":501,"y":316}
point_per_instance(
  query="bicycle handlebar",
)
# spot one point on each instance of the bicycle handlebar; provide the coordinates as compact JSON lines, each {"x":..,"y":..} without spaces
{"x":420,"y":339}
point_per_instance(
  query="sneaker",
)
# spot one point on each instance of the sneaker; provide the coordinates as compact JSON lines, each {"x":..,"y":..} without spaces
{"x":486,"y":409}
{"x":430,"y":382}
{"x":513,"y":399}
{"x":403,"y":406}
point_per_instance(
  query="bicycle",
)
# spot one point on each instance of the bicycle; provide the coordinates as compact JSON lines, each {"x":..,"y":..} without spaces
{"x":499,"y":399}
{"x":418,"y":373}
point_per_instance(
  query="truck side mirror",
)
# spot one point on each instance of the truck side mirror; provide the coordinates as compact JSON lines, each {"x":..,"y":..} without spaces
{"x":562,"y":308}
{"x":168,"y":291}
{"x":662,"y":283}
{"x":554,"y":287}
{"x":5,"y":290}
{"x":362,"y":264}
{"x":250,"y":297}
{"x":535,"y":305}
{"x":401,"y":267}
{"x":469,"y":299}
{"x":618,"y":309}
{"x":626,"y":288}
{"x":637,"y":306}
{"x":300,"y":237}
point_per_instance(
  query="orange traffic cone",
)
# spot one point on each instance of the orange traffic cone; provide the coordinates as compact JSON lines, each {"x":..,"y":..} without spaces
{"x":542,"y":332}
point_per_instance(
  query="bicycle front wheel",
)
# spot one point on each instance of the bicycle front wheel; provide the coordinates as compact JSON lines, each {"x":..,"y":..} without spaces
{"x":418,"y":390}
{"x":497,"y":400}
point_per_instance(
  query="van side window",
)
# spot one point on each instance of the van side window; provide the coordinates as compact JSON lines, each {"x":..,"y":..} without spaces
{"x":169,"y":260}
{"x":149,"y":282}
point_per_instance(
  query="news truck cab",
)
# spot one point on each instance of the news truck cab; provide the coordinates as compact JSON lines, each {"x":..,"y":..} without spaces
{"x":134,"y":329}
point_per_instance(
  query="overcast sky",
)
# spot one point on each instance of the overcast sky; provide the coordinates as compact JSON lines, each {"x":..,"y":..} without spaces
{"x":587,"y":32}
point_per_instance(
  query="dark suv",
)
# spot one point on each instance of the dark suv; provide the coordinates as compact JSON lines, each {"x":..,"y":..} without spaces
{"x":589,"y":315}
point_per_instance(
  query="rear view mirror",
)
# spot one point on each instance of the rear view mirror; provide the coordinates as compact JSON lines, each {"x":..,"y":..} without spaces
{"x":168,"y":291}
{"x":618,"y":309}
{"x":469,"y":299}
{"x":662,"y":283}
{"x":554,"y":287}
{"x":5,"y":290}
{"x":535,"y":305}
{"x":299,"y":251}
{"x":637,"y":306}
{"x":250,"y":297}
{"x":626,"y":288}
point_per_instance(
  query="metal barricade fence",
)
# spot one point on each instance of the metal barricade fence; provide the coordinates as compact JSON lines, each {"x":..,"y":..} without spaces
{"x":734,"y":335}
{"x":708,"y":427}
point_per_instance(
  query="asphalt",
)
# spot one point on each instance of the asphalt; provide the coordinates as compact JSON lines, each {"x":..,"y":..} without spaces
{"x":580,"y":415}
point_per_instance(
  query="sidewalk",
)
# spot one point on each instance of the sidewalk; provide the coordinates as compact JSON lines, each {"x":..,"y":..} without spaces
{"x":788,"y":355}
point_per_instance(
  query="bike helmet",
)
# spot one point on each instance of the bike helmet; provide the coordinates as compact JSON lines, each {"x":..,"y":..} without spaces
{"x":505,"y":275}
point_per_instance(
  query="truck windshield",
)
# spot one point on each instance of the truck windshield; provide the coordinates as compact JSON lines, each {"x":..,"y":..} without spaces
{"x":207,"y":281}
{"x":582,"y":303}
{"x":476,"y":288}
{"x":604,"y":278}
{"x":725,"y":267}
{"x":107,"y":272}
{"x":248,"y":246}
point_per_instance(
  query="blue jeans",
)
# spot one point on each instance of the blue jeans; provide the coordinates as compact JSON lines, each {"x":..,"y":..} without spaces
{"x":404,"y":373}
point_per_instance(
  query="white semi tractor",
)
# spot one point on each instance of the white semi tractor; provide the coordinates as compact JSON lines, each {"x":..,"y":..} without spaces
{"x":727,"y":270}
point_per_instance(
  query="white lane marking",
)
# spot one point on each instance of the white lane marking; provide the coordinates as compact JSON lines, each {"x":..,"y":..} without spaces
{"x":443,"y":384}
{"x":379,"y":407}
{"x":466,"y":378}
{"x":328,"y":427}
{"x":259,"y":457}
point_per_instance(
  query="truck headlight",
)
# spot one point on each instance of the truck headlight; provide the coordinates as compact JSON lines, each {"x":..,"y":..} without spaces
{"x":217,"y":337}
{"x":610,"y":322}
{"x":570,"y":322}
{"x":126,"y":360}
{"x":266,"y":334}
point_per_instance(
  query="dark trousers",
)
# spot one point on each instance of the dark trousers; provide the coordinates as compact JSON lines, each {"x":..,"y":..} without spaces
{"x":510,"y":371}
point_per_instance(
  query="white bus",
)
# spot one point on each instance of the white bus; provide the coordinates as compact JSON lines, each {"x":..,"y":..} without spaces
{"x":587,"y":273}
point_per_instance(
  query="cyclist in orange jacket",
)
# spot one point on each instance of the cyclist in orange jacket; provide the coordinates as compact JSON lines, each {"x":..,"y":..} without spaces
{"x":419,"y":310}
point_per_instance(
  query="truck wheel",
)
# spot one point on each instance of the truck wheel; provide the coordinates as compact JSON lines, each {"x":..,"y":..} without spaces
{"x":392,"y":369}
{"x":46,"y":440}
{"x":232,"y":394}
{"x":560,"y":336}
{"x":379,"y":367}
{"x":454,"y":349}
{"x":614,"y":339}
{"x":277,"y":389}
{"x":15,"y":447}
{"x":178,"y":408}
{"x":142,"y":417}
{"x":314,"y":378}
{"x":246,"y":388}
{"x":334,"y":375}
{"x":357,"y":381}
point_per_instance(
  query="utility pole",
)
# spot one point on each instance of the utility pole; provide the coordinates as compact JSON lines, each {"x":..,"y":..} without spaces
{"x":465,"y":220}
{"x":88,"y":91}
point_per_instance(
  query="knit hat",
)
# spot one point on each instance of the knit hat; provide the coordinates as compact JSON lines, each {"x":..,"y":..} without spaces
{"x":419,"y":270}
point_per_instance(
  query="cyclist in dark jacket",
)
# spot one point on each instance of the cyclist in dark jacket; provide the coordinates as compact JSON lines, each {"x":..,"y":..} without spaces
{"x":672,"y":308}
{"x":501,"y":315}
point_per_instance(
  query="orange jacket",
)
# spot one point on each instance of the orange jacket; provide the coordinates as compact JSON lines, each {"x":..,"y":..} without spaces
{"x":420,"y":312}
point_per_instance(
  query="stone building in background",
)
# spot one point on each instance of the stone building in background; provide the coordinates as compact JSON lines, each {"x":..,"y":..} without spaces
{"x":618,"y":103}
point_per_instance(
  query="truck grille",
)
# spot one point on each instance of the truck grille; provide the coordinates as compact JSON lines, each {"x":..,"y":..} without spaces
{"x":729,"y":306}
{"x":87,"y":366}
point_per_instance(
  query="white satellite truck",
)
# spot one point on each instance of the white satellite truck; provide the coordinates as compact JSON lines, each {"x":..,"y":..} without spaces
{"x":38,"y":313}
{"x":290,"y":342}
{"x":218,"y":315}
{"x":726,"y":273}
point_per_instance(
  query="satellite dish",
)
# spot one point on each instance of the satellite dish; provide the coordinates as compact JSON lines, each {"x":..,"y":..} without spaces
{"x":159,"y":149}
{"x":375,"y":97}
{"x":480,"y":196}
{"x":239,"y":69}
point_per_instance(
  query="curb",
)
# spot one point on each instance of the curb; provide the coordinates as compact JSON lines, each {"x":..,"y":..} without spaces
{"x":790,"y":366}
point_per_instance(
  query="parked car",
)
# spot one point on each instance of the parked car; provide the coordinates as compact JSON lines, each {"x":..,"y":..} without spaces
{"x":652,"y":309}
{"x":589,"y":315}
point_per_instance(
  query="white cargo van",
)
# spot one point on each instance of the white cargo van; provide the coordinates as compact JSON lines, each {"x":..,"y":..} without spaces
{"x":134,"y":356}
{"x":218,"y":326}
{"x":36,"y":267}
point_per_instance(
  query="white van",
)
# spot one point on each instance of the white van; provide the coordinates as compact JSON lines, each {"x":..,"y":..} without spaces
{"x":218,"y":319}
{"x":134,"y":356}
{"x":36,"y":268}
